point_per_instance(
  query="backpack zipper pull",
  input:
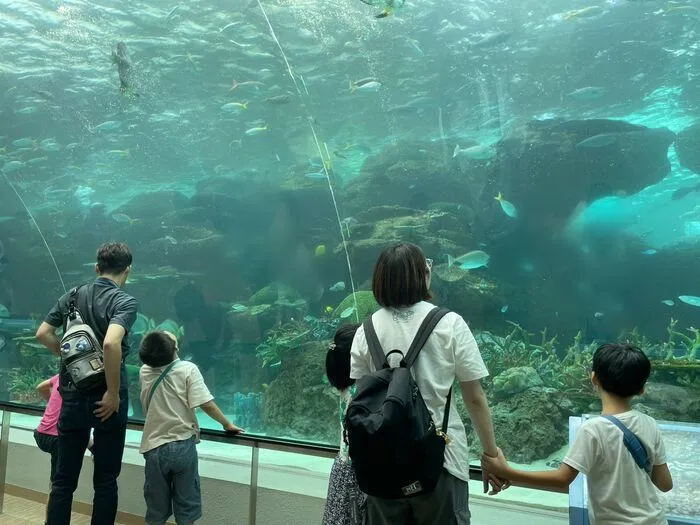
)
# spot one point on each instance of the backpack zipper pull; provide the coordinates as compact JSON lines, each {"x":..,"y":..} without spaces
{"x":444,"y":436}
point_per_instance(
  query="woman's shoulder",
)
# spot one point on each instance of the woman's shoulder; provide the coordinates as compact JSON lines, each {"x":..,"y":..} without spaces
{"x":452,"y":320}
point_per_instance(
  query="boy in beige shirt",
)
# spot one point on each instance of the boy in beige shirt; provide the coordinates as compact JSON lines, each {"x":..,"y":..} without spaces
{"x":170,"y":391}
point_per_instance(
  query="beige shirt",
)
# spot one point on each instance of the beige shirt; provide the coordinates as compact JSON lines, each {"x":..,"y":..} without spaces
{"x":170,"y":416}
{"x":450,"y":353}
{"x":619,"y":492}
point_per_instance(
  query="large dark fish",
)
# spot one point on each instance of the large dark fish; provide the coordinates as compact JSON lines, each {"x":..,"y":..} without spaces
{"x":3,"y":258}
{"x":684,"y":192}
{"x":125,"y":67}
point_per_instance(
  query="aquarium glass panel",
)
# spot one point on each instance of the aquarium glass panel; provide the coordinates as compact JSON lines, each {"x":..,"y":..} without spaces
{"x":257,"y":156}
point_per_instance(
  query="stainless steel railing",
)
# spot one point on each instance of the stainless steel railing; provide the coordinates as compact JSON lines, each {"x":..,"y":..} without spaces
{"x":254,"y":442}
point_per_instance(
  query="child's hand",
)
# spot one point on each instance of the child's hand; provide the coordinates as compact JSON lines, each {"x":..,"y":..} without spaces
{"x":495,"y":465}
{"x":230,"y":427}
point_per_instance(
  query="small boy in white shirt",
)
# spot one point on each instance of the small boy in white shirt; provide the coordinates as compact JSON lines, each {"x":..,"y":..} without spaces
{"x":170,"y":391}
{"x":619,"y":490}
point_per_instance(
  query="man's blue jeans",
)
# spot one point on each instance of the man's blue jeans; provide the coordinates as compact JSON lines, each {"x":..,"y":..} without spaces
{"x":74,"y":426}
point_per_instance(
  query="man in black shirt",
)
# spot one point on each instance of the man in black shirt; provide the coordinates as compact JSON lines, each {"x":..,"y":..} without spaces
{"x":110,"y":312}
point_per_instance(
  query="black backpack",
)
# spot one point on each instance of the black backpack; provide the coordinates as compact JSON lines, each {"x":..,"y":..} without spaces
{"x":395,"y":447}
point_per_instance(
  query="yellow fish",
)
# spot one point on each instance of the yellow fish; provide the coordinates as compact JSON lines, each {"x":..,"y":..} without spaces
{"x":320,"y":250}
{"x":329,"y":309}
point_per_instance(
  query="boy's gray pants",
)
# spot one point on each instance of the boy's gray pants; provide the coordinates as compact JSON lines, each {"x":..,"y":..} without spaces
{"x":448,"y":504}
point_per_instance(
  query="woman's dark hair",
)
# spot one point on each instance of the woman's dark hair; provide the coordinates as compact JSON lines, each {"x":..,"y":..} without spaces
{"x":157,"y":349}
{"x":401,"y":276}
{"x":113,"y":258}
{"x":338,"y":357}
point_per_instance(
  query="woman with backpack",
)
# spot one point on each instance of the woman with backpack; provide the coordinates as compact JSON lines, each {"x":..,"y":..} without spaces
{"x":412,"y":457}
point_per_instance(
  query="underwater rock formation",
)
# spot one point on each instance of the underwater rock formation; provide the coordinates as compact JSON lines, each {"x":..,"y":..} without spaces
{"x":688,"y":148}
{"x":515,"y":380}
{"x":467,"y":293}
{"x":153,"y":206}
{"x":297,"y":403}
{"x":553,"y":165}
{"x":436,"y":231}
{"x":529,"y":426}
{"x":669,"y":402}
{"x":410,"y":174}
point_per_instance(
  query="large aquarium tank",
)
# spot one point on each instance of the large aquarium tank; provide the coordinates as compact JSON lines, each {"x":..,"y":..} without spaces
{"x":257,"y":155}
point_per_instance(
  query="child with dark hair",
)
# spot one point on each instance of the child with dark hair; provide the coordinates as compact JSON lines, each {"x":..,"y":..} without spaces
{"x":345,"y":504}
{"x":170,"y":391}
{"x":619,"y":490}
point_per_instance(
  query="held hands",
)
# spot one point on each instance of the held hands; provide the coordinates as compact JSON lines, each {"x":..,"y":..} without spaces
{"x":230,"y":427}
{"x":107,"y":407}
{"x":495,"y":472}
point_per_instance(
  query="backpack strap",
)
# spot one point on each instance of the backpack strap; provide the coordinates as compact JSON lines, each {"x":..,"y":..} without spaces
{"x":375,"y":347}
{"x":157,"y":383}
{"x":446,"y":417}
{"x":72,"y":298}
{"x":633,"y":443}
{"x":426,"y":328}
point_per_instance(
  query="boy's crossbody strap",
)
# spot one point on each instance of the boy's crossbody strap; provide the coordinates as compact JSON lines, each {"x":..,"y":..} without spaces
{"x":633,"y":444}
{"x":158,"y":381}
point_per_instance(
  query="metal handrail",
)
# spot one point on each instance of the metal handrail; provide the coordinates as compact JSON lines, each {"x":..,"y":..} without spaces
{"x":249,"y":440}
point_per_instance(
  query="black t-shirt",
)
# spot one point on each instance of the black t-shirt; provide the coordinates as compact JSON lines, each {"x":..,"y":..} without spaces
{"x":100,"y":304}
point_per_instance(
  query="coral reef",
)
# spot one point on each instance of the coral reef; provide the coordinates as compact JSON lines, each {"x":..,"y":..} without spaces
{"x":297,"y":403}
{"x":515,"y":380}
{"x":567,"y":372}
{"x":366,"y":306}
{"x":289,"y":336}
{"x":23,"y":383}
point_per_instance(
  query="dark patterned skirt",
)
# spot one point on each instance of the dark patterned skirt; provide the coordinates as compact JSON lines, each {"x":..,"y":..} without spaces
{"x":345,"y":504}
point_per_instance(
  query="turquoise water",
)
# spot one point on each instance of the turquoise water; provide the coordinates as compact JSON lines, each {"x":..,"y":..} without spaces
{"x":262,"y":154}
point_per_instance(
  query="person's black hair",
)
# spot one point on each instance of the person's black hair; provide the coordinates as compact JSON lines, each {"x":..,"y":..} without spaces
{"x":338,"y":357}
{"x":113,"y":258}
{"x":622,"y":369}
{"x":400,"y":276}
{"x":157,"y":349}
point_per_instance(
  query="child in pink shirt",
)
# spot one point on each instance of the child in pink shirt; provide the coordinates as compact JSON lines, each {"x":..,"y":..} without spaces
{"x":46,"y":434}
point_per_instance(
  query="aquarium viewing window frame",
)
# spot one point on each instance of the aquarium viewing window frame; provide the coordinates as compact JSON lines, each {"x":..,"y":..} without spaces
{"x":578,"y":491}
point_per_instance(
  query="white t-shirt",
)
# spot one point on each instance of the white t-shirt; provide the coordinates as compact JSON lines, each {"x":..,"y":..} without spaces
{"x":619,"y":492}
{"x":450,"y":352}
{"x":170,"y":416}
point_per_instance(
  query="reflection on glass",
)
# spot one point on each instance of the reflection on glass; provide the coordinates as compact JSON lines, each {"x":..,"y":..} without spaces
{"x":258,"y":160}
